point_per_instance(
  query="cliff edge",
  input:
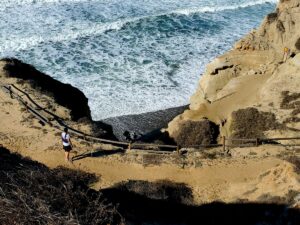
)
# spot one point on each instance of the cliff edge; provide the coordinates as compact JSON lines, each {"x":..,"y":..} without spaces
{"x":63,"y":94}
{"x":251,"y":91}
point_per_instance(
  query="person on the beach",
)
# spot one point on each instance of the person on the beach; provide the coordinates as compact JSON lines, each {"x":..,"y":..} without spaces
{"x":67,"y":144}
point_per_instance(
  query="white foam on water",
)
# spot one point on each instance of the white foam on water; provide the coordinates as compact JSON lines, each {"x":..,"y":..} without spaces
{"x":18,"y":3}
{"x":67,"y":35}
{"x":222,"y":8}
{"x":126,"y":57}
{"x":17,"y":44}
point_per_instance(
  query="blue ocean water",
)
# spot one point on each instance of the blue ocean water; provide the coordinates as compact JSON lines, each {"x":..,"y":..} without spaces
{"x":127,"y":56}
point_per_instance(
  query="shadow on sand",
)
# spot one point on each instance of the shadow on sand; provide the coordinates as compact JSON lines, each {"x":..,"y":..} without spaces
{"x":31,"y":193}
{"x":97,"y":153}
{"x":166,"y":203}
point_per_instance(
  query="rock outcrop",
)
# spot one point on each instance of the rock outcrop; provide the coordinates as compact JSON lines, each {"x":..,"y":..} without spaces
{"x":262,"y":71}
{"x":64,"y":102}
{"x":63,"y":94}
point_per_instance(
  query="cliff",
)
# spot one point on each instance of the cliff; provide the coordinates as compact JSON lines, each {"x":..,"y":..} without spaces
{"x":70,"y":103}
{"x":65,"y":102}
{"x":63,"y":94}
{"x":252,"y":90}
{"x":238,"y":92}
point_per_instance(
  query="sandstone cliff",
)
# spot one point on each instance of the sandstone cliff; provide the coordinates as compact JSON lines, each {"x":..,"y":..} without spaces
{"x":63,"y":94}
{"x":63,"y":101}
{"x":252,"y":90}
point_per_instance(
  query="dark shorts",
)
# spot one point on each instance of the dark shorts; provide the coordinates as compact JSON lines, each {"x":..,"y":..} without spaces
{"x":67,"y":148}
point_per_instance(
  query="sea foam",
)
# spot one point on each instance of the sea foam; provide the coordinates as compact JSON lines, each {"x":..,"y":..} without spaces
{"x":222,"y":8}
{"x":130,"y":56}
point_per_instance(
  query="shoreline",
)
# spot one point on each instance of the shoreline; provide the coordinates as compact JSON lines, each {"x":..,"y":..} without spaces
{"x":143,"y":126}
{"x":232,"y":98}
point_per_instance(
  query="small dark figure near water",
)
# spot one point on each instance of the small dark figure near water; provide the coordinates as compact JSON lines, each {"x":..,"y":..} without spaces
{"x":127,"y":136}
{"x":130,"y":136}
{"x":67,"y":144}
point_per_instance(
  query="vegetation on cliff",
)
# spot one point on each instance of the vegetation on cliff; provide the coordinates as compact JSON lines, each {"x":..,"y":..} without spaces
{"x":31,"y":193}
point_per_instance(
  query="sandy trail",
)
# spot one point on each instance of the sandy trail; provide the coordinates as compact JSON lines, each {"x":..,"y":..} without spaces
{"x":229,"y":179}
{"x":223,"y":179}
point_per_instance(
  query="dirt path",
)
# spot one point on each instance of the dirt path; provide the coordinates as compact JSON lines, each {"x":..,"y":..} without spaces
{"x":219,"y":179}
{"x":248,"y":176}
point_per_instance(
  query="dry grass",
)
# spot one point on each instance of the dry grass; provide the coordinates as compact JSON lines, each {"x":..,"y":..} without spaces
{"x":289,"y":199}
{"x":193,"y":133}
{"x":152,"y":159}
{"x":291,"y":101}
{"x":162,"y":190}
{"x":30,"y":193}
{"x":251,"y":123}
{"x":295,"y":161}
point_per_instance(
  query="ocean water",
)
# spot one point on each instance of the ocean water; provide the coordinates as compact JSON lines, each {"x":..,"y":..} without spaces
{"x":127,"y":56}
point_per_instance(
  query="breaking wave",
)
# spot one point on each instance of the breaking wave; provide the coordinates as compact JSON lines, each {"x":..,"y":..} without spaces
{"x":129,"y":56}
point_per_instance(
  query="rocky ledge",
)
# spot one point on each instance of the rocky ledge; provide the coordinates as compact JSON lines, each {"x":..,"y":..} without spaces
{"x":63,"y":94}
{"x":70,"y":104}
{"x":252,"y":91}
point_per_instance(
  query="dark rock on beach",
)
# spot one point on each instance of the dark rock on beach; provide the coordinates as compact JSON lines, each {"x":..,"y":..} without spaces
{"x":144,"y":126}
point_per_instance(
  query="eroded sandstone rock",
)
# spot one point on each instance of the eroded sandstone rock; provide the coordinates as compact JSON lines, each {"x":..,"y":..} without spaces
{"x":254,"y":74}
{"x":64,"y":94}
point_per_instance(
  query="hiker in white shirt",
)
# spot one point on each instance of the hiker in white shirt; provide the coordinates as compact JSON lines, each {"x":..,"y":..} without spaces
{"x":67,"y":144}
